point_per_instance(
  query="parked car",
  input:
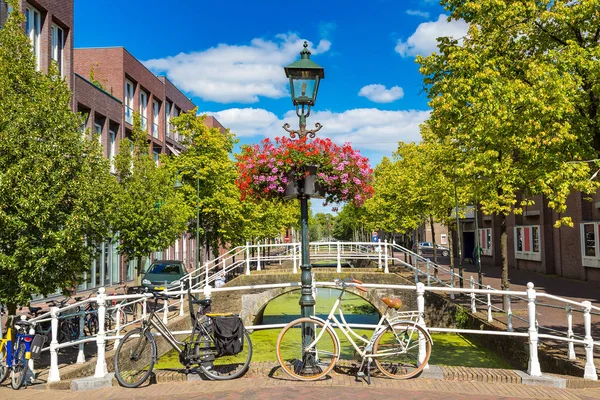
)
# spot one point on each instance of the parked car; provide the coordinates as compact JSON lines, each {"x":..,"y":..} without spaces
{"x":427,"y":249}
{"x":164,"y":274}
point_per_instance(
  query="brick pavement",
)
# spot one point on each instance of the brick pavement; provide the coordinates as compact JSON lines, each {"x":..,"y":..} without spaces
{"x":337,"y":387}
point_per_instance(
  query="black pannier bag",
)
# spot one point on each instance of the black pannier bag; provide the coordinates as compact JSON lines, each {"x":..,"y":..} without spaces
{"x":36,"y":346}
{"x":229,"y":332}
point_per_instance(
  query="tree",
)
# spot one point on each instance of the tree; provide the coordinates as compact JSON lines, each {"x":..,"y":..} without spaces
{"x":55,"y":186}
{"x":517,"y":101}
{"x":147,"y":212}
{"x":349,"y":223}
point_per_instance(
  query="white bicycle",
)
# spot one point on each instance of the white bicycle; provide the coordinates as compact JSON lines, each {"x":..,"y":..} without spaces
{"x":395,"y":345}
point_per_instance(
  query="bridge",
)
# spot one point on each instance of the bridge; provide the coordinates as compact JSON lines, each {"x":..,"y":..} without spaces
{"x":273,"y":269}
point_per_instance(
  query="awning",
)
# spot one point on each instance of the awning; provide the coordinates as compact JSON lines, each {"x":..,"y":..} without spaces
{"x":173,"y":150}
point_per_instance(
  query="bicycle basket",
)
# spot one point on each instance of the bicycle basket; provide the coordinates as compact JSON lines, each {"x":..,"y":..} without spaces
{"x":36,"y":346}
{"x":228,"y":332}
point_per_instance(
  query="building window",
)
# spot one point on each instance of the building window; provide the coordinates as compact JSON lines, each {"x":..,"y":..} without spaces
{"x":176,"y":113}
{"x":144,"y":109}
{"x":58,"y":45}
{"x":111,"y":151}
{"x":443,"y":239}
{"x":129,"y":90}
{"x":5,"y":10}
{"x":98,"y":132}
{"x":155,"y":157}
{"x":485,"y":241}
{"x":155,"y":118}
{"x":168,"y":107}
{"x":527,"y":242}
{"x":590,"y":244}
{"x":33,"y":27}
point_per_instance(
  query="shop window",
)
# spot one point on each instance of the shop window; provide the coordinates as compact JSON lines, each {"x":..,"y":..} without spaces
{"x":527,"y":242}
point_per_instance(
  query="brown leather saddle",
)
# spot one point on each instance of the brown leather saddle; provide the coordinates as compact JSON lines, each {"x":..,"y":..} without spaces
{"x":392,"y":302}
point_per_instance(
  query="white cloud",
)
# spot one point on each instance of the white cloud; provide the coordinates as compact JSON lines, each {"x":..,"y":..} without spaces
{"x":417,"y":13}
{"x":236,"y":73}
{"x":380,"y":94}
{"x":367,"y":128}
{"x":326,"y":29}
{"x":424,"y":40}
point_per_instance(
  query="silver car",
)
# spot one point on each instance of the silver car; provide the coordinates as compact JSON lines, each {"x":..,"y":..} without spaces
{"x":427,"y":249}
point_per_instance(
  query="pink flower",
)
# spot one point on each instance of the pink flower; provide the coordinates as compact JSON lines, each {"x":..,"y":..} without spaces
{"x":357,"y":181}
{"x":280,"y":189}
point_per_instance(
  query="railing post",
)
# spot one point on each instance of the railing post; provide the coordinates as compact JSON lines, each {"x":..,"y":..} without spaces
{"x":428,"y":272}
{"x":386,"y":269}
{"x":247,"y":258}
{"x":31,"y":363}
{"x":421,"y":321}
{"x":166,"y":311}
{"x":206,"y":276}
{"x":295,"y":270}
{"x":379,"y":254}
{"x":258,"y":255}
{"x":452,"y":282}
{"x":81,"y":352}
{"x":533,"y":367}
{"x":144,"y":307}
{"x":54,"y":374}
{"x":118,"y":324}
{"x":393,"y":248}
{"x":223,"y":263}
{"x":181,"y":313}
{"x":590,"y":368}
{"x":207,"y":292}
{"x":101,"y":370}
{"x":473,"y":305}
{"x":339,"y":259}
{"x":571,"y":346}
{"x":508,"y":311}
{"x":489,"y":305}
{"x":328,"y":247}
{"x":190,"y":282}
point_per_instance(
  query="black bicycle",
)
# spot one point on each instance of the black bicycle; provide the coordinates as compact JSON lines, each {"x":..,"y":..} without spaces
{"x":219,"y":344}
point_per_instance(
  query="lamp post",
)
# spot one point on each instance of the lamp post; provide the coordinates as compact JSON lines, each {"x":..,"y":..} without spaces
{"x":304,"y":76}
{"x":459,"y":244}
{"x":178,"y":185}
{"x":477,"y":242}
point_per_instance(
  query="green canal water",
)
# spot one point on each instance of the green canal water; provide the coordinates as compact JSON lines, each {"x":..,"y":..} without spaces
{"x":448,"y":349}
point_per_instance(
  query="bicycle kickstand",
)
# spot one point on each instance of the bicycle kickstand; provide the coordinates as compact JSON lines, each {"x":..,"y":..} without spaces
{"x":360,"y":374}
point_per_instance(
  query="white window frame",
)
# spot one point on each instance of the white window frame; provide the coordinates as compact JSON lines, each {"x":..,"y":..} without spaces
{"x":486,"y":248}
{"x":34,"y":31}
{"x":58,"y":47}
{"x":111,"y":150}
{"x":168,"y":108}
{"x":144,"y":109}
{"x":155,"y":118}
{"x":129,"y":93}
{"x":590,"y":261}
{"x":528,"y":254}
{"x":156,"y":157}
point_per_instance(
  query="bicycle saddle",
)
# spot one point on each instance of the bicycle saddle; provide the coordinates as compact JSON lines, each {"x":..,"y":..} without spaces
{"x":34,"y":310}
{"x":78,"y":299}
{"x":23,"y":323}
{"x":392,"y":302}
{"x":203,"y":302}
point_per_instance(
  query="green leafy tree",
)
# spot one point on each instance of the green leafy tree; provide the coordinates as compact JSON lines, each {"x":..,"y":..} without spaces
{"x":148,"y":214}
{"x":517,"y":100}
{"x":55,"y":185}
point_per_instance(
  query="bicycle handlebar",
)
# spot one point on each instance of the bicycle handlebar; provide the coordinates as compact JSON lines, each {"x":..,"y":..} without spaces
{"x":344,"y":283}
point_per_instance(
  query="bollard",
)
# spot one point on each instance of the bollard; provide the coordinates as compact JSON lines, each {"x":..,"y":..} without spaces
{"x":165,"y":318}
{"x":247,"y":258}
{"x":101,"y":370}
{"x":54,"y":374}
{"x":386,"y":259}
{"x":533,"y":367}
{"x":489,"y":305}
{"x":428,"y":272}
{"x":421,"y":321}
{"x":379,"y":254}
{"x":181,"y":313}
{"x":258,"y":255}
{"x":473,"y":305}
{"x":590,"y":368}
{"x":452,"y":282}
{"x":118,"y":324}
{"x":508,"y":311}
{"x":81,"y":352}
{"x":339,"y":259}
{"x":571,"y":348}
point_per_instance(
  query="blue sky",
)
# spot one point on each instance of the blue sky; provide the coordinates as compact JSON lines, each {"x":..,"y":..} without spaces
{"x":229,"y":60}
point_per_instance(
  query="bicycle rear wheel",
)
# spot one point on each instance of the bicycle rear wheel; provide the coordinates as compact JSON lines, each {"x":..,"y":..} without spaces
{"x":19,"y":368}
{"x":134,"y":358}
{"x":229,"y":367}
{"x":299,"y":363}
{"x":396,"y":350}
{"x":4,"y":368}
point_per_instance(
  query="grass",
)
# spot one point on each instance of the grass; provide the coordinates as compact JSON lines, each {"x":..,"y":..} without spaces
{"x":448,"y":350}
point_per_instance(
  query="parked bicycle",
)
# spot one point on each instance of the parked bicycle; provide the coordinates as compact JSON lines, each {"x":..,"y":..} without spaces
{"x":394,"y":345}
{"x":219,"y":344}
{"x":16,"y":350}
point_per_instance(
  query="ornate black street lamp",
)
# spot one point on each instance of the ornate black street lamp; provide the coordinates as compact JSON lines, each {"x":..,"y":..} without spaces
{"x":305,"y":76}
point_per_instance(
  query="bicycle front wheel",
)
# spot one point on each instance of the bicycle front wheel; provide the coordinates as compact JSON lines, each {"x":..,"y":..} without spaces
{"x":396,"y":350}
{"x":307,"y":364}
{"x":134,"y":358}
{"x":230,"y":367}
{"x":4,"y":368}
{"x":19,"y":368}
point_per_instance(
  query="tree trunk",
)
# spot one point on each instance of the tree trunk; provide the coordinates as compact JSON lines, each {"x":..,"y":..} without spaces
{"x":435,"y":271}
{"x":451,"y":247}
{"x":504,"y":251}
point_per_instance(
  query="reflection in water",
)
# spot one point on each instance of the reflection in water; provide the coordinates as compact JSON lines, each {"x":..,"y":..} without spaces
{"x":285,"y":308}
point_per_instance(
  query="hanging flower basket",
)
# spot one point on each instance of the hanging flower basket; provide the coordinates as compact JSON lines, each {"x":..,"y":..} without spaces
{"x":318,"y":168}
